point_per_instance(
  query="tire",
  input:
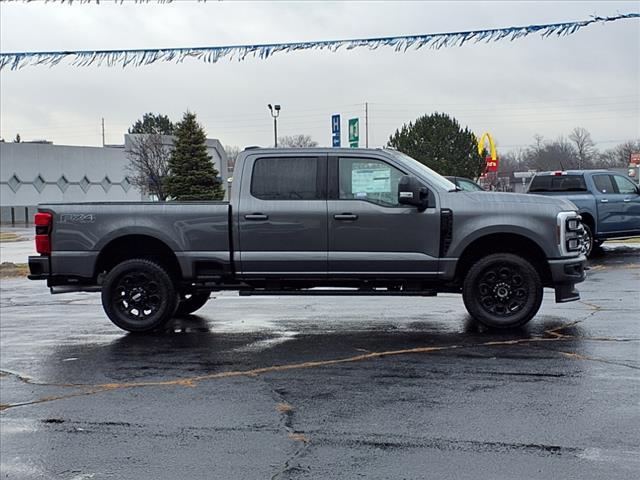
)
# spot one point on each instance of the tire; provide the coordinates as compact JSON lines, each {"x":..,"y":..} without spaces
{"x":189,"y":303}
{"x":502,"y":290}
{"x":139,"y":295}
{"x":588,"y":242}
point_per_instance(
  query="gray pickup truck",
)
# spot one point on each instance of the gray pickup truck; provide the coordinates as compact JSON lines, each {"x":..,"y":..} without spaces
{"x":316,"y":222}
{"x":609,"y":203}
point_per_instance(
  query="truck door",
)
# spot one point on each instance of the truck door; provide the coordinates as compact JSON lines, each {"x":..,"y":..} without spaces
{"x":369,"y":232}
{"x":282,"y":216}
{"x":609,"y":204}
{"x":630,"y":203}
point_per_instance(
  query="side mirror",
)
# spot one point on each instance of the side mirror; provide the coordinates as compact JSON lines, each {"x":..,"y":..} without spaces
{"x":412,"y":192}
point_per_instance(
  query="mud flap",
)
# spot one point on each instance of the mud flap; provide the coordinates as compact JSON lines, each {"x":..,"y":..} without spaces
{"x":567,"y":293}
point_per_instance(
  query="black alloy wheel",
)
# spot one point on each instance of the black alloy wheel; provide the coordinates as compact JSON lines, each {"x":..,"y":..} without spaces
{"x":502,"y":291}
{"x":588,"y":242}
{"x":139,"y":295}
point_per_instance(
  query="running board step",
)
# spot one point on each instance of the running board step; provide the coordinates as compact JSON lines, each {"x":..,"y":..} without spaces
{"x":341,"y":293}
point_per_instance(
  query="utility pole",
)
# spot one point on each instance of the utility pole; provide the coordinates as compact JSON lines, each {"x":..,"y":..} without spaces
{"x":103,"y":131}
{"x":366,"y":124}
{"x":275,"y":132}
{"x":275,"y":113}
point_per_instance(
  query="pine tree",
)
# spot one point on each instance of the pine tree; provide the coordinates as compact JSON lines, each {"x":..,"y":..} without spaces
{"x":439,"y":142}
{"x":192,"y":175}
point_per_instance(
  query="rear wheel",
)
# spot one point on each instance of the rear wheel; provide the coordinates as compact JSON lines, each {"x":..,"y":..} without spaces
{"x":190,"y":302}
{"x":502,"y":290}
{"x":139,"y":295}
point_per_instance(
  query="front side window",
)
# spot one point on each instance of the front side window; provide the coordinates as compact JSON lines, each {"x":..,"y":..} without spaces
{"x":625,"y":185}
{"x":370,"y":180}
{"x":286,"y":178}
{"x":603,"y":183}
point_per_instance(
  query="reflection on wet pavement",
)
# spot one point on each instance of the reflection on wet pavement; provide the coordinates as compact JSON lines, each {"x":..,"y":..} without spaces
{"x":266,"y":387}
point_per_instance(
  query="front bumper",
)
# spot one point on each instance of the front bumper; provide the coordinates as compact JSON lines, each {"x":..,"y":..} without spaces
{"x":565,"y":273}
{"x":39,"y":267}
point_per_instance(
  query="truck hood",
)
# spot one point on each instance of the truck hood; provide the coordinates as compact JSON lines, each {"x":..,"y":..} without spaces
{"x":517,"y":198}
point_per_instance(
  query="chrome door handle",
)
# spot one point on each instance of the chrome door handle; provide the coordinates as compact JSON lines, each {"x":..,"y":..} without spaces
{"x":256,"y":216}
{"x":627,"y":199}
{"x":604,"y":200}
{"x":345,"y":216}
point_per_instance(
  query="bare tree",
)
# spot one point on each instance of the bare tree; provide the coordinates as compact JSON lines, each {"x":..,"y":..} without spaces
{"x":149,"y":164}
{"x":556,"y":155}
{"x":585,"y":147}
{"x":297,"y":141}
{"x":619,"y":156}
{"x":539,"y":143}
{"x":511,"y":162}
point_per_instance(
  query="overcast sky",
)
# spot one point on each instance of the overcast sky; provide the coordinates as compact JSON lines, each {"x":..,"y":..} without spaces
{"x":513,"y":90}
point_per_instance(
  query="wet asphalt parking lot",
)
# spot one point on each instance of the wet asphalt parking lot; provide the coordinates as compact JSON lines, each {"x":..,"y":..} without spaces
{"x":324,"y":388}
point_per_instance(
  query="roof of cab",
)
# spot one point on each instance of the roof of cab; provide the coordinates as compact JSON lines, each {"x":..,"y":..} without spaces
{"x":312,"y":150}
{"x":571,"y":172}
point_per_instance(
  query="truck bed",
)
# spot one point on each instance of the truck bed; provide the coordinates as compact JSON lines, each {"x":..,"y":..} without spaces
{"x":197,"y":232}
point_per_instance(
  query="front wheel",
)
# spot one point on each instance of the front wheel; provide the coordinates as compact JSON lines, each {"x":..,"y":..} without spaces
{"x":502,"y":290}
{"x":589,"y":244}
{"x":139,"y":295}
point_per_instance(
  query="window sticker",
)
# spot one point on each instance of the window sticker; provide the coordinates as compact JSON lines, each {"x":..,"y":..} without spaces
{"x":370,"y":180}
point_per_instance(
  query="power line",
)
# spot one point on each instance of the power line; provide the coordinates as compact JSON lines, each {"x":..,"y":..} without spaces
{"x":537,"y":102}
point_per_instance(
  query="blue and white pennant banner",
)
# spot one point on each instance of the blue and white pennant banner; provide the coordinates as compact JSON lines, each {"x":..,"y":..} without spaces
{"x":436,"y":41}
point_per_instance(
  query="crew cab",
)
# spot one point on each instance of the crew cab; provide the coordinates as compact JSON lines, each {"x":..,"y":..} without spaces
{"x":609,"y":203}
{"x":352,"y":221}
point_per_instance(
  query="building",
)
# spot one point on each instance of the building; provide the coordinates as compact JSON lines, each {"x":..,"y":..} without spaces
{"x":40,"y":172}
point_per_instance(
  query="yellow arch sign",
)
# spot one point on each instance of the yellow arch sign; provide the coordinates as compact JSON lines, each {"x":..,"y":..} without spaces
{"x":492,"y":145}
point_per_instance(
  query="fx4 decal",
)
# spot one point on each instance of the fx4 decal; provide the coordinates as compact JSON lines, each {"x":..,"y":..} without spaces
{"x":77,"y":218}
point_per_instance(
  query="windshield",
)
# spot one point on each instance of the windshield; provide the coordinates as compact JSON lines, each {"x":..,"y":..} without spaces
{"x":432,"y":175}
{"x":469,"y":186}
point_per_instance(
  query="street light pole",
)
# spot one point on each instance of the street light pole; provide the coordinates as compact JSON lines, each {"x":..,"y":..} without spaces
{"x":275,"y":113}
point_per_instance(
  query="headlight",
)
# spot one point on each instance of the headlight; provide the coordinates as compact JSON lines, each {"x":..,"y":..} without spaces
{"x":573,"y":244}
{"x":573,"y":224}
{"x":570,"y":233}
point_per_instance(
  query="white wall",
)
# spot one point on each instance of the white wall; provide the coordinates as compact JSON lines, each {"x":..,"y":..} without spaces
{"x":54,"y":173}
{"x":33,"y":173}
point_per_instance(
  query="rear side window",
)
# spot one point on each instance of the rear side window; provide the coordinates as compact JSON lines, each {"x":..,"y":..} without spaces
{"x":624,"y":185}
{"x":603,"y":183}
{"x":558,"y":183}
{"x":286,"y":178}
